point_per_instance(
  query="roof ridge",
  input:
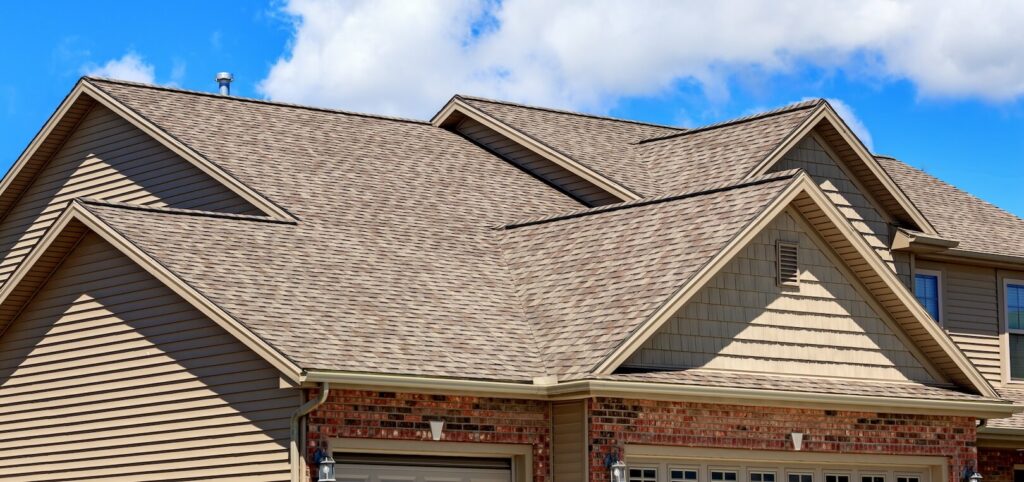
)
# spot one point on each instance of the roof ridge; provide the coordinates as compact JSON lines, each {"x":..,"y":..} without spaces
{"x":739,"y":120}
{"x":569,"y":112}
{"x":696,"y":191}
{"x":180,"y":211}
{"x":92,"y":78}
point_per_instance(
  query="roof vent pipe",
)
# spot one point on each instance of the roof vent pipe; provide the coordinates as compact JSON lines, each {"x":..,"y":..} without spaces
{"x":224,"y":81}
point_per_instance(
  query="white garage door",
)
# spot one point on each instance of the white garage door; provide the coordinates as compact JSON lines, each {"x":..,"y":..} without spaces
{"x":666,"y":471}
{"x":360,"y":468}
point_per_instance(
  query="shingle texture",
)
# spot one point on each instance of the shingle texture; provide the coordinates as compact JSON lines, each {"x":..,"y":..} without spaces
{"x":978,"y":226}
{"x":417,"y":252}
{"x":590,"y":280}
{"x":602,"y":144}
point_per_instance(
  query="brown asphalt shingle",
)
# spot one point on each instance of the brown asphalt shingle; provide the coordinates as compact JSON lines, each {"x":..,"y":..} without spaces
{"x":589,"y":280}
{"x":603,"y":144}
{"x":957,"y":215}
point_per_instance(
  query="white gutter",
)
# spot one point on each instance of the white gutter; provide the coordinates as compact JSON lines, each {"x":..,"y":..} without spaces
{"x":302,"y":411}
{"x":614,"y":388}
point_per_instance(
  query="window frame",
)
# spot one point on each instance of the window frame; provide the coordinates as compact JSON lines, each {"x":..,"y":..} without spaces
{"x":1004,"y":302}
{"x":939,"y":295}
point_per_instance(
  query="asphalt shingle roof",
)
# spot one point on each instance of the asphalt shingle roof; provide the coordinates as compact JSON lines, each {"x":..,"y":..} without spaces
{"x":406,"y":256}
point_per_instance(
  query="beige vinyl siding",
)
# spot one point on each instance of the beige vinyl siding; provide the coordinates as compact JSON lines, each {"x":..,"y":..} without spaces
{"x":840,"y":188}
{"x":109,"y":375}
{"x":536,"y":164}
{"x":569,"y":441}
{"x":743,"y":320}
{"x":969,"y":304}
{"x":106,"y":157}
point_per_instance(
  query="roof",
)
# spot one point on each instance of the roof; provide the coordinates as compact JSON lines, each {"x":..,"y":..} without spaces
{"x":977,"y":225}
{"x":601,"y":143}
{"x":589,"y":279}
{"x":403,"y":254}
{"x":1015,"y":422}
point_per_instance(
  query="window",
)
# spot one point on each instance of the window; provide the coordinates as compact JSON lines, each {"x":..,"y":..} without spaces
{"x":926,"y":287}
{"x":838,"y":478}
{"x":1015,"y":327}
{"x":872,"y":478}
{"x":907,"y":478}
{"x":762,"y":477}
{"x":788,"y":258}
{"x":643,"y":474}
{"x":723,"y":475}
{"x":801,"y":478}
{"x":683,"y":475}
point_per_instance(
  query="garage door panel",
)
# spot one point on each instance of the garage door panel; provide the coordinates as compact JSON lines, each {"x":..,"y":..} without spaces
{"x":406,"y":473}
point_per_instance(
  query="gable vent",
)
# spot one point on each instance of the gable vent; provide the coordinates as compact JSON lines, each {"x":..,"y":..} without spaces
{"x":788,"y":263}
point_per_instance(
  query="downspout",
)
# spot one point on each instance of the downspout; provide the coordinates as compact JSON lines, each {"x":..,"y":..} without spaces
{"x":300,"y":412}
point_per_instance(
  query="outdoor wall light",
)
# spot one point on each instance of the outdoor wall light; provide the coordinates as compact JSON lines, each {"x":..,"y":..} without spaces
{"x":325,"y":466}
{"x":971,"y":475}
{"x":617,"y":470}
{"x":436,"y":429}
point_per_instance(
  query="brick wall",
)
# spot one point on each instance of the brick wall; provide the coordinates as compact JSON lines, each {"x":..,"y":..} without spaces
{"x":615,"y":422}
{"x":407,"y":416}
{"x":996,"y":465}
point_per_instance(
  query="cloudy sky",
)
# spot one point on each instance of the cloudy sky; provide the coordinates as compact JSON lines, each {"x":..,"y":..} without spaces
{"x":935,"y":83}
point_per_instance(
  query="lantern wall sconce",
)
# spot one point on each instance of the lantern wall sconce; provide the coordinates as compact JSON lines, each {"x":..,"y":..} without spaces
{"x":436,"y":429}
{"x":798,"y":440}
{"x":971,"y":475}
{"x":616,"y":468}
{"x":324,"y":466}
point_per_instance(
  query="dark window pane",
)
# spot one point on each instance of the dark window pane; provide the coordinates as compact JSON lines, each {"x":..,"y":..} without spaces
{"x":1016,"y":356}
{"x":926,"y":289}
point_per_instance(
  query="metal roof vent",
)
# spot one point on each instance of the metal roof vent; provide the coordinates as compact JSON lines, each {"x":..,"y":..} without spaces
{"x":224,"y":81}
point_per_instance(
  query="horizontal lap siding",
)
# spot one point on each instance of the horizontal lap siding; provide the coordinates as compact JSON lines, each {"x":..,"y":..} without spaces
{"x":108,"y":158}
{"x":109,"y":375}
{"x":535,"y":164}
{"x":743,"y":320}
{"x":970,"y":312}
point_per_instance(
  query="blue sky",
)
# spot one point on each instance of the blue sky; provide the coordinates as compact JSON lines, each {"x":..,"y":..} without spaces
{"x":939,"y":90}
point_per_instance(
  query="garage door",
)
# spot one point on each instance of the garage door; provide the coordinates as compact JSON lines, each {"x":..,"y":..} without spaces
{"x":373,"y":468}
{"x":671,"y":471}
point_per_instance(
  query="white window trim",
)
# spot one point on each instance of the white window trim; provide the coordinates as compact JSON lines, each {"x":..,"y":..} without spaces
{"x":940,"y":291}
{"x":1004,"y":305}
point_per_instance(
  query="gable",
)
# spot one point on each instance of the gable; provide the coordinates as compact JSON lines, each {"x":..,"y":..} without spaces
{"x":105,"y":356}
{"x":744,"y":320}
{"x":846,"y":192}
{"x":106,"y":157}
{"x":541,"y":167}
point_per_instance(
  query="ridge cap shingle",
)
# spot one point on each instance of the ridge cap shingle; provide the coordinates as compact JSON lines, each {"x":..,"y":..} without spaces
{"x":96,"y":79}
{"x":568,"y":112}
{"x":803,"y":105}
{"x":701,"y":190}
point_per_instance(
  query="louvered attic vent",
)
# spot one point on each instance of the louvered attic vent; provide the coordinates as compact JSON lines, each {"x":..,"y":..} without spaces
{"x":788,"y":263}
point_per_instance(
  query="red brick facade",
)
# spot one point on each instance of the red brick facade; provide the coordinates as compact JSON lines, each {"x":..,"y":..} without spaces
{"x":996,"y":465}
{"x":406,"y":416}
{"x":615,"y":422}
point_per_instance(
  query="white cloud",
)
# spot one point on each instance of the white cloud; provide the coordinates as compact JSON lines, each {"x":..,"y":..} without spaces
{"x":407,"y":58}
{"x":130,"y":67}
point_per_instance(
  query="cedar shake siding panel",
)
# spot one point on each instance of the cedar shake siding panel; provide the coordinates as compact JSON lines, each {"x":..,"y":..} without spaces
{"x":743,"y":320}
{"x":111,"y":376}
{"x":108,"y":158}
{"x":846,"y":194}
{"x":970,"y":312}
{"x":535,"y":164}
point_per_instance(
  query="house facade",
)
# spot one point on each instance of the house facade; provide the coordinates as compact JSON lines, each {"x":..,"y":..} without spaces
{"x":205,"y":287}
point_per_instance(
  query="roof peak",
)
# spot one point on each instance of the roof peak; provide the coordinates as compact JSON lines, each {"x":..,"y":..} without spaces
{"x":701,"y":190}
{"x":215,"y":95}
{"x":806,"y":104}
{"x":569,"y":112}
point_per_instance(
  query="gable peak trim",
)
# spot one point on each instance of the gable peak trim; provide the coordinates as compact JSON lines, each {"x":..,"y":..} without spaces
{"x":76,"y":212}
{"x":805,"y":186}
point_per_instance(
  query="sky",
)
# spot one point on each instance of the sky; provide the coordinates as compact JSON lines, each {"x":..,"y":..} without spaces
{"x":937,"y":84}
